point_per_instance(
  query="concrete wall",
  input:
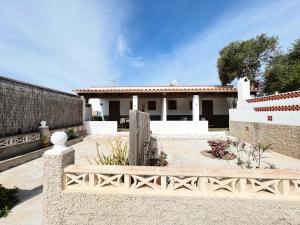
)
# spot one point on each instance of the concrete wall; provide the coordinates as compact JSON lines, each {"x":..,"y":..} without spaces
{"x":87,"y":206}
{"x":101,"y":127}
{"x":23,"y":106}
{"x":125,"y":209}
{"x":284,"y":139}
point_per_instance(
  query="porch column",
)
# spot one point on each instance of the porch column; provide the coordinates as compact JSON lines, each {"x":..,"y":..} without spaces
{"x":135,"y":104}
{"x":164,"y":109}
{"x":195,"y":107}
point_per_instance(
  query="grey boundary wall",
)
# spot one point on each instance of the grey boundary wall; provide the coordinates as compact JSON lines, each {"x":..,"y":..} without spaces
{"x":23,"y":106}
{"x":284,"y":139}
{"x":85,"y":206}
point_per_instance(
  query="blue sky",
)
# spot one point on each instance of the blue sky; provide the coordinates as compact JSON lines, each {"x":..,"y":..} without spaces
{"x":66,"y":44}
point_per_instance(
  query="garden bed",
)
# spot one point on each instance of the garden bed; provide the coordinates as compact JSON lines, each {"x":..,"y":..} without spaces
{"x":227,"y":156}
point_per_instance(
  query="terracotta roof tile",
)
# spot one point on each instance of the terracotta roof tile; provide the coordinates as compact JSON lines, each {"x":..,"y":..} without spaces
{"x":157,"y":89}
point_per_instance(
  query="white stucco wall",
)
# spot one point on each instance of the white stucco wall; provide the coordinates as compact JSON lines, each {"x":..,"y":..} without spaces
{"x":221,"y":105}
{"x":101,"y":127}
{"x":245,"y":112}
{"x":87,"y":113}
{"x":278,"y":117}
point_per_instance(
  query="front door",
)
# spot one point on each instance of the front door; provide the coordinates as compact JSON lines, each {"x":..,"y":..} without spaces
{"x":114,"y":111}
{"x":207,"y":110}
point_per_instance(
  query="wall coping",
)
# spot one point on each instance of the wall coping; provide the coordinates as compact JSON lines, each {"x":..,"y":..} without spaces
{"x":186,"y":171}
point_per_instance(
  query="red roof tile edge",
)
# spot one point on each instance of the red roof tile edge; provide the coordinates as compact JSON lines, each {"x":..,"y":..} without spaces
{"x":294,"y":94}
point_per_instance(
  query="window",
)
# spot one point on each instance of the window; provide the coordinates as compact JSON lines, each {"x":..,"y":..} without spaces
{"x":191,"y":105}
{"x":151,"y":105}
{"x":172,"y":105}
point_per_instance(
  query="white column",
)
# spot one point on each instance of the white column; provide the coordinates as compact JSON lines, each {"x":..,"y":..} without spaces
{"x":164,"y":109}
{"x":195,"y":107}
{"x":135,"y":103}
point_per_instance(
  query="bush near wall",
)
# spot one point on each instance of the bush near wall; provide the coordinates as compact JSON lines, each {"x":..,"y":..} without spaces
{"x":8,"y":198}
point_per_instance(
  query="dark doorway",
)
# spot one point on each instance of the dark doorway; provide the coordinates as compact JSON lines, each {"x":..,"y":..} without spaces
{"x":114,"y":111}
{"x":207,"y":111}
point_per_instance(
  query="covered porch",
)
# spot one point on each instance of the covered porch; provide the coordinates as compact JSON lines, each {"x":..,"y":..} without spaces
{"x":213,"y":109}
{"x":172,"y":109}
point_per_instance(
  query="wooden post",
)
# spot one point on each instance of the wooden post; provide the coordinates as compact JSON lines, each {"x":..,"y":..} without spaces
{"x":132,"y":137}
{"x":139,"y":134}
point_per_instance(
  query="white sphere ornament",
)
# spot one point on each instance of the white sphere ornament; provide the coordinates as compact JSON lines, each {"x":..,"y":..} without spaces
{"x":59,"y":138}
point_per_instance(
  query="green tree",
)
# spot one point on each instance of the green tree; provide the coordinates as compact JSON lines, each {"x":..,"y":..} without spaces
{"x":246,"y":58}
{"x":283,"y":72}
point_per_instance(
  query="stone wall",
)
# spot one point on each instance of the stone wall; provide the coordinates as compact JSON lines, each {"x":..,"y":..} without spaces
{"x":284,"y":139}
{"x":23,"y":106}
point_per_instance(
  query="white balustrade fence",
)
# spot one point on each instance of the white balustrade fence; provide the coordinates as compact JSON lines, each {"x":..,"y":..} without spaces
{"x":202,"y":181}
{"x":21,"y":139}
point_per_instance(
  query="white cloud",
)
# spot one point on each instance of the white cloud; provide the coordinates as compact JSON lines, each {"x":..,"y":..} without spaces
{"x":195,"y":61}
{"x":122,"y":47}
{"x":61,"y":44}
{"x":137,"y":62}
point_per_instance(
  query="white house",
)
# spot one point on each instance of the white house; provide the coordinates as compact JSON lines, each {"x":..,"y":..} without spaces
{"x":176,"y":106}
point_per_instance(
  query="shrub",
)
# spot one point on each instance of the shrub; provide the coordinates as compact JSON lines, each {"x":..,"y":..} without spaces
{"x":119,"y":155}
{"x":258,"y":152}
{"x":161,"y":160}
{"x":72,"y":134}
{"x":250,"y":156}
{"x":8,"y":198}
{"x":218,"y":148}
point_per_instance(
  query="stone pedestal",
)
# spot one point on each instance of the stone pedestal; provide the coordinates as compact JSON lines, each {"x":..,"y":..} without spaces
{"x":54,"y":162}
{"x":44,"y":134}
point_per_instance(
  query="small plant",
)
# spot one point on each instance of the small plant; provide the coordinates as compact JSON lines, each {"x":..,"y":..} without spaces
{"x":72,"y":134}
{"x":240,"y":149}
{"x":160,"y":160}
{"x":250,"y":156}
{"x":8,"y":198}
{"x":119,"y":155}
{"x":258,"y":152}
{"x":163,"y":159}
{"x":218,"y":148}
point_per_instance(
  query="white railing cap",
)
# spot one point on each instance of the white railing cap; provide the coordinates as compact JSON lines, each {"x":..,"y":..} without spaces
{"x":59,"y":140}
{"x":43,"y":124}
